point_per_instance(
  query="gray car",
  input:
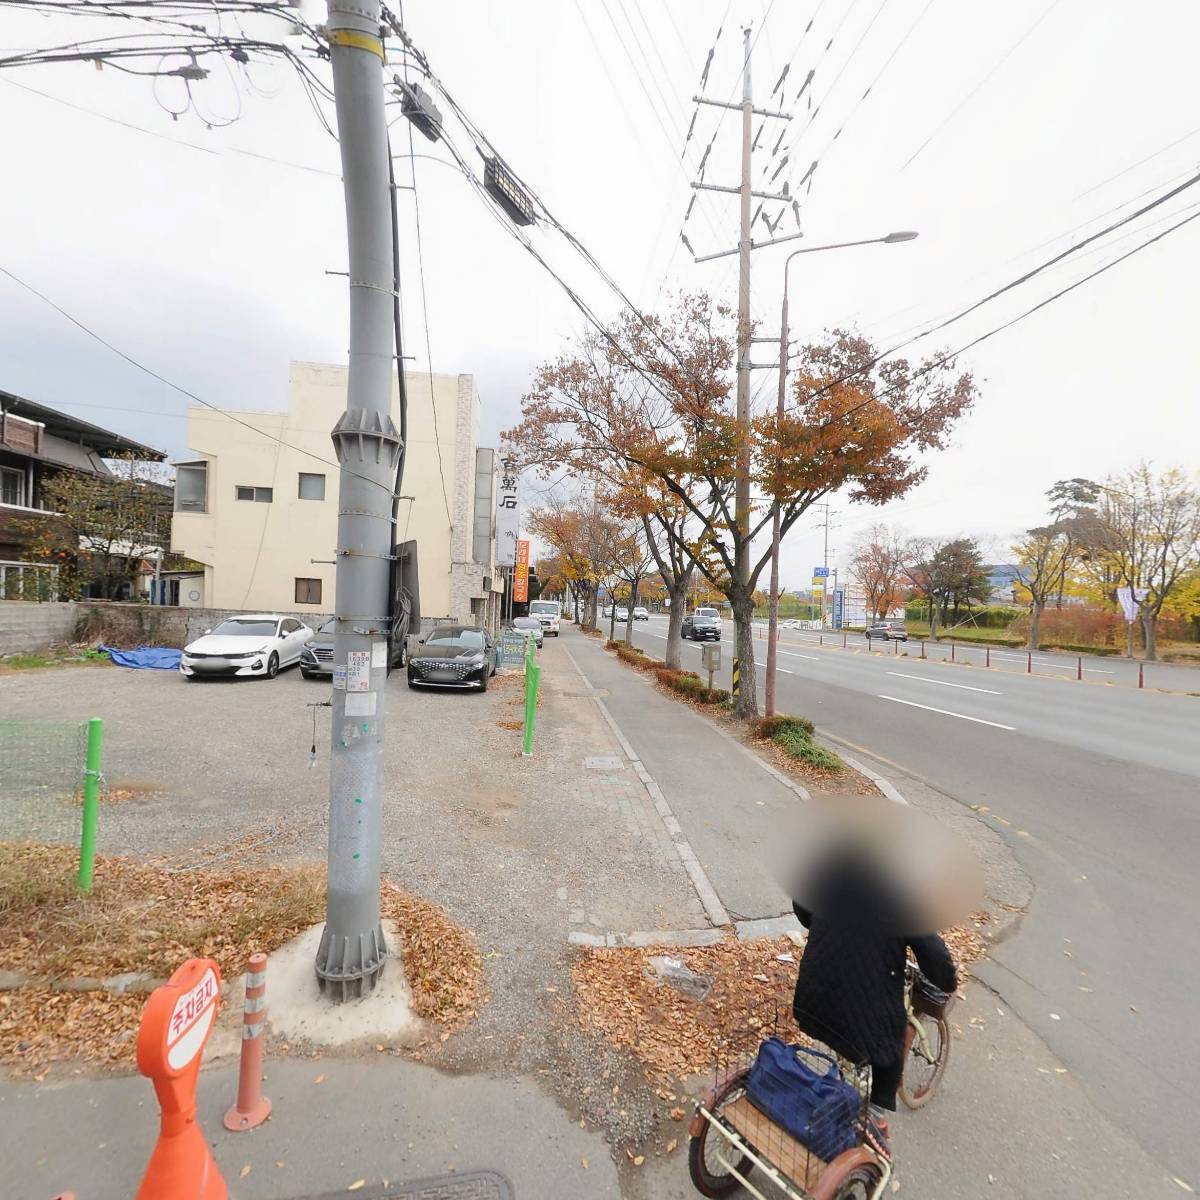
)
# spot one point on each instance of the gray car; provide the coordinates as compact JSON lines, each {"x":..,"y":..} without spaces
{"x":530,"y":625}
{"x":888,"y":631}
{"x":316,"y":660}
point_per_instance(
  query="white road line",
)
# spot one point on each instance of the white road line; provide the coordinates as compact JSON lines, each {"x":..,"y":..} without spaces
{"x":781,"y":670}
{"x":793,"y":654}
{"x":947,"y":713}
{"x":966,"y":687}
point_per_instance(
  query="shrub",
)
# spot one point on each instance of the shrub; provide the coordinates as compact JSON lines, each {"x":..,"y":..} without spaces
{"x":612,"y":644}
{"x":689,"y":685}
{"x":767,"y":727}
{"x":799,"y":745}
{"x":635,"y":657}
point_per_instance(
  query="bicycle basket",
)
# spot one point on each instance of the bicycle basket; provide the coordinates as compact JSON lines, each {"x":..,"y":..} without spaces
{"x":802,"y":1091}
{"x":929,"y":999}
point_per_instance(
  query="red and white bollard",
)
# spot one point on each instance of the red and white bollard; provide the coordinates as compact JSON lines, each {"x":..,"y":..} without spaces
{"x":252,"y":1107}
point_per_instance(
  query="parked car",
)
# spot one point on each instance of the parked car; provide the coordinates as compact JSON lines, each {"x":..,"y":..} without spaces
{"x":459,"y":656}
{"x":255,"y":645}
{"x":548,"y":612}
{"x":641,"y":614}
{"x":622,"y":614}
{"x":701,"y":627}
{"x":888,"y":631}
{"x":534,"y":626}
{"x":606,"y":611}
{"x":791,"y":623}
{"x":316,"y":660}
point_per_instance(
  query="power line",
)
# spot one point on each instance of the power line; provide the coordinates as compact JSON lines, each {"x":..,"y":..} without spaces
{"x":979,"y":86}
{"x":1140,"y":162}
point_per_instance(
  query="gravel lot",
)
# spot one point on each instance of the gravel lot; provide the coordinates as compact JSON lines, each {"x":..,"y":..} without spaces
{"x":520,"y":851}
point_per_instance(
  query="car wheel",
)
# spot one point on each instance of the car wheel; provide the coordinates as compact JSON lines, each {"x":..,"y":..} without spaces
{"x":191,"y":678}
{"x":273,"y":665}
{"x":483,"y":683}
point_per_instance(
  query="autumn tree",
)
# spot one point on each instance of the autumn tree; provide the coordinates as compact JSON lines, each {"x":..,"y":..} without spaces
{"x":949,"y":573}
{"x":104,"y":526}
{"x":650,"y":403}
{"x":1148,"y":539}
{"x":878,"y":564}
{"x":571,"y":531}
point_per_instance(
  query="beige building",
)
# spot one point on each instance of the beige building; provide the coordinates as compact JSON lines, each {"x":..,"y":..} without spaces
{"x":257,"y":505}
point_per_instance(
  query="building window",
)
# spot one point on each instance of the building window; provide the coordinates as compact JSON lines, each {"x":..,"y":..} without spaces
{"x":191,"y":487}
{"x":312,"y":487}
{"x":308,"y":591}
{"x":12,"y":486}
{"x":263,"y":495}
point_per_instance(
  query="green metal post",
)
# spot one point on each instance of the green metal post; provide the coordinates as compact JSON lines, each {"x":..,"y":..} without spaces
{"x":91,"y":803}
{"x":532,"y":675}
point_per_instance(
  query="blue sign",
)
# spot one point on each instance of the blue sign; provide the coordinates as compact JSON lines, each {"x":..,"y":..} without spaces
{"x":839,"y":607}
{"x":820,"y":572}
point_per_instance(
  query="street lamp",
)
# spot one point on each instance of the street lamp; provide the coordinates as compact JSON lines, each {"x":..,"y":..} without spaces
{"x":901,"y":235}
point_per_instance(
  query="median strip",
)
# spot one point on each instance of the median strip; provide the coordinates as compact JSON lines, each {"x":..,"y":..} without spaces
{"x":945,"y":712}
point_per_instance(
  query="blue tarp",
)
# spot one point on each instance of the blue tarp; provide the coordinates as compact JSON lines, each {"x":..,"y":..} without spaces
{"x":145,"y":658}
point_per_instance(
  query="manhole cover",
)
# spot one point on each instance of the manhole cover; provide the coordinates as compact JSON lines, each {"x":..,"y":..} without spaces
{"x":478,"y":1185}
{"x":603,"y":762}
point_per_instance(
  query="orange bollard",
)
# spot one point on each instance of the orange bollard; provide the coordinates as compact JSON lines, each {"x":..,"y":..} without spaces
{"x":252,"y":1107}
{"x":175,"y":1027}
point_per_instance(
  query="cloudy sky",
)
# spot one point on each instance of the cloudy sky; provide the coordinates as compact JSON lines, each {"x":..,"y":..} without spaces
{"x":1003,"y":133}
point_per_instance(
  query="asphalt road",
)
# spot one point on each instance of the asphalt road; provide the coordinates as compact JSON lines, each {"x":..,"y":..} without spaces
{"x":1097,"y":790}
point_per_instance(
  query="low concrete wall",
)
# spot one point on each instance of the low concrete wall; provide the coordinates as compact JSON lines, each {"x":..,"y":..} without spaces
{"x":26,"y":627}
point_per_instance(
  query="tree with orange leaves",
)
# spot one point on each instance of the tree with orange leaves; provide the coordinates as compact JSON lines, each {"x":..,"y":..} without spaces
{"x":647,"y":408}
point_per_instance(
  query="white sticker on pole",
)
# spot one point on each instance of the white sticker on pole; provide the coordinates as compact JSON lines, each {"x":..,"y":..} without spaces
{"x":379,"y":654}
{"x":190,"y":1020}
{"x":339,"y":679}
{"x":358,"y":671}
{"x":360,"y":704}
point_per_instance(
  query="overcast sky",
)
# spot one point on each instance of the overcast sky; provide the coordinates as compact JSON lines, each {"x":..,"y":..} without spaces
{"x":210,"y":266}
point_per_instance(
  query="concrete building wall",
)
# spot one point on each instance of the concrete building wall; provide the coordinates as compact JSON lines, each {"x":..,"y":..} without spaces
{"x":26,"y":627}
{"x":254,"y":550}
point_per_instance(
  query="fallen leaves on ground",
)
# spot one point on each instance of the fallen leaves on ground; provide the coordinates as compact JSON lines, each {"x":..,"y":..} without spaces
{"x":143,"y":918}
{"x":619,"y":996}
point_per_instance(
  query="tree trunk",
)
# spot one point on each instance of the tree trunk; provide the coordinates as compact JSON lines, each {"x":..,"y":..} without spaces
{"x":678,"y":594}
{"x":612,"y":617}
{"x":1149,"y":622}
{"x":1035,"y":621}
{"x":743,"y":638}
{"x":932,"y":621}
{"x":633,"y":595}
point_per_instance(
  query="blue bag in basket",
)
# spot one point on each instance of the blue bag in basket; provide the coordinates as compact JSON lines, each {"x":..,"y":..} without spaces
{"x":820,"y":1111}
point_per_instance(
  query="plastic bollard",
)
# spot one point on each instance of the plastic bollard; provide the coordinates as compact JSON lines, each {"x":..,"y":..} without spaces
{"x":252,"y":1108}
{"x":1079,"y":669}
{"x":1141,"y":675}
{"x":1029,"y":663}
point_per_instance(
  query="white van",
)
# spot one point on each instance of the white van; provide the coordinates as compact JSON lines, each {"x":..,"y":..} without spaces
{"x":549,"y":612}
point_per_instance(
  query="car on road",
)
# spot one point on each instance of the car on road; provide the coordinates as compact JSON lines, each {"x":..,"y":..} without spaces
{"x":888,"y":630}
{"x":702,"y":626}
{"x":791,"y":623}
{"x":255,"y":645}
{"x":548,"y":612}
{"x":454,"y":656}
{"x":531,"y":625}
{"x":316,"y":659}
{"x":622,"y":614}
{"x":641,"y":614}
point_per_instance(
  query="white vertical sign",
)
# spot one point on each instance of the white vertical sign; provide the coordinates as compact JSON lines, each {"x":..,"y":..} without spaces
{"x":508,"y":512}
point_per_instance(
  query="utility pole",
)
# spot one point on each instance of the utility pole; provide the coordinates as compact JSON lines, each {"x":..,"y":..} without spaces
{"x":773,"y":603}
{"x":353,"y":950}
{"x":825,"y":564}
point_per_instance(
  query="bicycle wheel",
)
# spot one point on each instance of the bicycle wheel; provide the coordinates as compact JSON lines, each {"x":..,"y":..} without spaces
{"x":860,"y":1184}
{"x":924,"y":1064}
{"x":710,"y":1176}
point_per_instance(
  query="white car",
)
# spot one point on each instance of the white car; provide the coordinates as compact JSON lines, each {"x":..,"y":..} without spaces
{"x":257,"y":644}
{"x":622,"y":614}
{"x":641,"y":614}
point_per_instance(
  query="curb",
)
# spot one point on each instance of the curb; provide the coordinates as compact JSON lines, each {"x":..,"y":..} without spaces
{"x":705,"y":892}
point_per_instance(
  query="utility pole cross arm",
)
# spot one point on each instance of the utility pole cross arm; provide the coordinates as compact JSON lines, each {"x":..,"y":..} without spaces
{"x":758,"y":112}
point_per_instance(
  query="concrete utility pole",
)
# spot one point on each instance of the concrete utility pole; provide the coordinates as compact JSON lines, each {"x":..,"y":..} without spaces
{"x":353,"y":950}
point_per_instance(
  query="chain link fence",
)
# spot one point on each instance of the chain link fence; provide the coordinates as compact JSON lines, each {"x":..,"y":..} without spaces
{"x":42,"y":777}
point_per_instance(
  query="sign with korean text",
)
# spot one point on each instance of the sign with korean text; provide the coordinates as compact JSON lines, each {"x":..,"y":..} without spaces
{"x":191,"y":1019}
{"x":820,"y":572}
{"x":521,"y":573}
{"x":508,"y":512}
{"x":513,"y":645}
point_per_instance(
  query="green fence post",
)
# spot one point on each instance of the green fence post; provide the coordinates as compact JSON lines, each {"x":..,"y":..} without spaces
{"x":91,"y":803}
{"x":532,"y":674}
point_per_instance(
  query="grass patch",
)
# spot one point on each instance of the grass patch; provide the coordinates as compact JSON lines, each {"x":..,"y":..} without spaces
{"x":690,"y":686}
{"x":768,"y":727}
{"x":798,"y":743}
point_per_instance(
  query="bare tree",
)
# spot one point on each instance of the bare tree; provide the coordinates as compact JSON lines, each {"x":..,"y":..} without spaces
{"x":878,"y":563}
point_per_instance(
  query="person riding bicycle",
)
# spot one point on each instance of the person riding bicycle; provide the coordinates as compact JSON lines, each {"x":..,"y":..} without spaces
{"x":850,"y":988}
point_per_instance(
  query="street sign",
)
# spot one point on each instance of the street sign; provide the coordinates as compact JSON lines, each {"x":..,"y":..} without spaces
{"x":839,"y":607}
{"x":820,"y":572}
{"x":521,"y":573}
{"x":1131,"y":599}
{"x":508,"y":512}
{"x":513,"y":644}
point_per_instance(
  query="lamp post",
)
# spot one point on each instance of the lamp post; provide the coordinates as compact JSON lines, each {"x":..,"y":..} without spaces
{"x":904,"y":235}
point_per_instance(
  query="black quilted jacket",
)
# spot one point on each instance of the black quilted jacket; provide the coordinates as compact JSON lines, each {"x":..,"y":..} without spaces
{"x":850,"y":989}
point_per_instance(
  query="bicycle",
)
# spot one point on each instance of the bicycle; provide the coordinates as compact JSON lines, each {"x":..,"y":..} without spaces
{"x":731,"y":1138}
{"x":926,"y":1038}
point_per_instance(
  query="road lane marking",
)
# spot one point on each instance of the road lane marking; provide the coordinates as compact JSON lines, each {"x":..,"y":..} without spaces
{"x":945,"y":712}
{"x":966,"y":687}
{"x":793,"y":654}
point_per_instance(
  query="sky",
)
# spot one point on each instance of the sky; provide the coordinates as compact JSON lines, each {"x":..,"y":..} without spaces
{"x":1002,"y":133}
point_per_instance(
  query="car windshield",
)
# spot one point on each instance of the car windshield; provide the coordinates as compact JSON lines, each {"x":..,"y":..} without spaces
{"x":550,"y":607}
{"x":463,"y":639}
{"x":706,"y":612}
{"x":327,"y":626}
{"x":241,"y":628}
{"x":527,"y":623}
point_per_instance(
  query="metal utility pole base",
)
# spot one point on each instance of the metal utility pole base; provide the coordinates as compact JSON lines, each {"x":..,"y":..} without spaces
{"x":350,"y":967}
